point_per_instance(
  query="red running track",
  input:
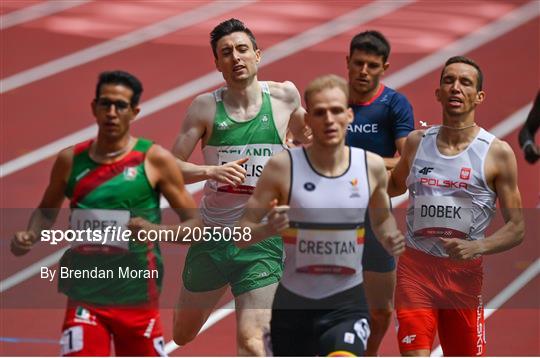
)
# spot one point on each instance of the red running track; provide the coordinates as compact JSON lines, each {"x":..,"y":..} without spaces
{"x":34,"y":115}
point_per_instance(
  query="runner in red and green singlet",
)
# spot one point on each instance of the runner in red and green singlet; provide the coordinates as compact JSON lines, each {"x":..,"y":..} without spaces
{"x":121,"y":186}
{"x":113,"y":181}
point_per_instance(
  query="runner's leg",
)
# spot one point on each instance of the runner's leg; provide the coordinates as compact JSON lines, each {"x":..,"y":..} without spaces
{"x":253,"y":312}
{"x":192,"y":311}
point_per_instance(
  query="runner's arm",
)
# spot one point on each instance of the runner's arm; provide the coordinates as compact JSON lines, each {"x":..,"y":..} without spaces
{"x":528,"y":131}
{"x":382,"y":221}
{"x":199,"y":118}
{"x":505,"y":185}
{"x":403,"y":124}
{"x":297,"y":124}
{"x":513,"y":231}
{"x":45,"y":215}
{"x":193,"y":130}
{"x":390,"y":163}
{"x":398,"y":176}
{"x":170,"y":183}
{"x":269,"y":199}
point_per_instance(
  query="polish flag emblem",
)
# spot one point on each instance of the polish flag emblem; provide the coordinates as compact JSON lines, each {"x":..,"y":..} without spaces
{"x":465,"y":173}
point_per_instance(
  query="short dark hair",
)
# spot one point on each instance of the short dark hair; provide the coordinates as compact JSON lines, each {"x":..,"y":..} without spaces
{"x":227,"y":28}
{"x":468,"y":61}
{"x":372,"y":42}
{"x":121,"y":78}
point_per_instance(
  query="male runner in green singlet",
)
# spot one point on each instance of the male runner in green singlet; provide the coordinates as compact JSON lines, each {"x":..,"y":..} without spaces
{"x":240,"y":127}
{"x":109,"y":180}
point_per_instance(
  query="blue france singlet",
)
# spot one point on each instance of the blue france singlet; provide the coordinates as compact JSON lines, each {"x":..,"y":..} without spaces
{"x":378,"y":123}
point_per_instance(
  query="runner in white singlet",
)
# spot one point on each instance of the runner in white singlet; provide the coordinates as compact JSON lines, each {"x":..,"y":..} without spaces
{"x":454,"y":173}
{"x":323,"y":192}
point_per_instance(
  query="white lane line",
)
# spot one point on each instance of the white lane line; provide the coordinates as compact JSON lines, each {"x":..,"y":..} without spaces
{"x":507,"y":126}
{"x":120,"y":43}
{"x":485,"y":34}
{"x":214,"y":318}
{"x":37,"y":11}
{"x":295,"y":44}
{"x":521,"y":281}
{"x":31,"y":270}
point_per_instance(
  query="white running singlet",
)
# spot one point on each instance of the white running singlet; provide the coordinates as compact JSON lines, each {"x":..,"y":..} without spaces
{"x":325,"y":242}
{"x":449,"y":196}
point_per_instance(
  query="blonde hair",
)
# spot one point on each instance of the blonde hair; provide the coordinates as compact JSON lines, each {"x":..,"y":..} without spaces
{"x":326,"y":82}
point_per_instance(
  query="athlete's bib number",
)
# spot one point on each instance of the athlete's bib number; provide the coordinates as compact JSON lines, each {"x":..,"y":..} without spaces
{"x":442,"y":216}
{"x":328,"y":252}
{"x":254,"y":167}
{"x":100,"y":227}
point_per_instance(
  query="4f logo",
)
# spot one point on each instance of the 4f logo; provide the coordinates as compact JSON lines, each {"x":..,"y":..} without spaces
{"x":425,"y":170}
{"x":408,"y":339}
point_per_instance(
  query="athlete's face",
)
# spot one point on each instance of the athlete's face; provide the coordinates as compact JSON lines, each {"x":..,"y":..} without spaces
{"x":365,"y":71}
{"x":113,"y":110}
{"x":328,"y":115}
{"x":457,"y":91}
{"x":236,"y":58}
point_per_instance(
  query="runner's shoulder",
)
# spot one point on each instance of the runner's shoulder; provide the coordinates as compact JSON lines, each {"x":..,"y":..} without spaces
{"x":279,"y":162}
{"x":284,"y":91}
{"x":203,"y":106}
{"x":65,"y":156}
{"x":395,"y":96}
{"x":415,"y":136}
{"x":375,"y":163}
{"x":501,"y":150}
{"x":412,"y":142}
{"x":159,"y":156}
{"x":64,"y":162}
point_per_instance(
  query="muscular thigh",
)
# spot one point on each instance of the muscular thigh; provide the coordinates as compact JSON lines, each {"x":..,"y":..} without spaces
{"x":253,"y":310}
{"x":193,"y":309}
{"x":379,"y":288}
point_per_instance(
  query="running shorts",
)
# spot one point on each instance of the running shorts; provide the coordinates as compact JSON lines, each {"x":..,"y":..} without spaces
{"x":211,"y":265}
{"x":436,"y":293}
{"x":87,"y":331}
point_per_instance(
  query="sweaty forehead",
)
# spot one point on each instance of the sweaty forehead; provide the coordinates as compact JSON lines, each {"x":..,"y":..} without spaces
{"x":460,"y":70}
{"x":234,"y":39}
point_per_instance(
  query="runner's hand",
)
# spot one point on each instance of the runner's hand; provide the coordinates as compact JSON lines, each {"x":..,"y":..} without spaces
{"x":459,"y":249}
{"x":138,"y":224}
{"x":308,"y":135}
{"x":278,"y":217}
{"x":22,"y":242}
{"x":394,"y":243}
{"x":532,"y":153}
{"x":231,"y":173}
